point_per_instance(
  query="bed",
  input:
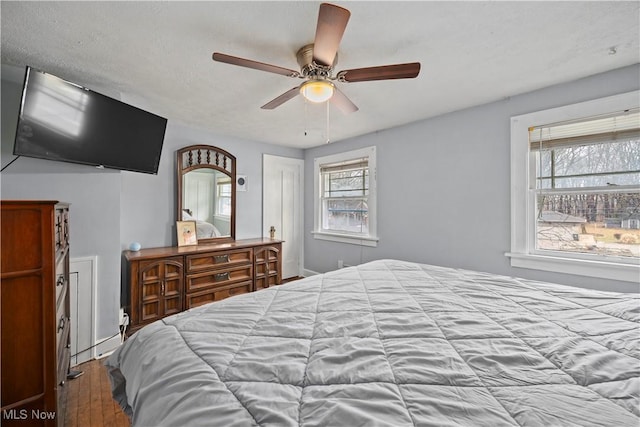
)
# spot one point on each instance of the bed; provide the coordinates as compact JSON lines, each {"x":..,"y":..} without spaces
{"x":389,"y":343}
{"x":204,"y":229}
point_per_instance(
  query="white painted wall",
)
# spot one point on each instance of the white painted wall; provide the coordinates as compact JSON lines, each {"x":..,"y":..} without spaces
{"x":443,"y":186}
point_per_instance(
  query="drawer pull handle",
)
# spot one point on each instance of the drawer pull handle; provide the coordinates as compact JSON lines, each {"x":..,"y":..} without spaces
{"x":219,"y":277}
{"x":221,"y":258}
{"x":61,"y":324}
{"x":60,"y":281}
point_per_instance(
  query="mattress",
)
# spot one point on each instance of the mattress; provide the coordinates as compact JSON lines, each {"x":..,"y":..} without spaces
{"x":389,"y":343}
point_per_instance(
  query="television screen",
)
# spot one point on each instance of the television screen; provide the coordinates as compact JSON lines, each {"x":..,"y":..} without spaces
{"x":63,"y":121}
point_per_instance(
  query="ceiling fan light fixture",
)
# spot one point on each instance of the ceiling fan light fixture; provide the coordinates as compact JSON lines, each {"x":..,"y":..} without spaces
{"x":317,"y":90}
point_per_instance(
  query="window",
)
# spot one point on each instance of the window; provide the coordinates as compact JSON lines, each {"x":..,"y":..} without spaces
{"x":576,"y":189}
{"x":345,"y":197}
{"x":223,"y":192}
{"x":584,"y":185}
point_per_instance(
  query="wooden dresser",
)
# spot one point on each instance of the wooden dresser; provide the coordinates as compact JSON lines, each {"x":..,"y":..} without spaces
{"x":34,"y":297}
{"x":159,"y":282}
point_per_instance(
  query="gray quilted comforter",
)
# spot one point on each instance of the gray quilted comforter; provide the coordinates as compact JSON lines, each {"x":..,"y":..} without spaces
{"x":390,"y":343}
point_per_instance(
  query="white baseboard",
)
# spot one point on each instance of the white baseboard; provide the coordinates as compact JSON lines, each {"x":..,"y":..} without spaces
{"x":106,"y":348}
{"x":308,"y":273}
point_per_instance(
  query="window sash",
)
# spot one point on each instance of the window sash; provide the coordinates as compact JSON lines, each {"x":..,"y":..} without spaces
{"x":356,"y":219}
{"x":332,"y":173}
{"x":345,"y":191}
{"x":569,"y":154}
{"x":588,"y":223}
{"x":618,"y":126}
{"x":223,"y":207}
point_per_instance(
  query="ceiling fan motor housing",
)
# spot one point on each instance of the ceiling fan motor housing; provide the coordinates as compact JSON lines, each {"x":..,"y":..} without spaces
{"x":309,"y":68}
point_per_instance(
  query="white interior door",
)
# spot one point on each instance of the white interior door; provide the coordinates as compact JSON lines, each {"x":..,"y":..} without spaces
{"x":282,"y":209}
{"x":199,"y":186}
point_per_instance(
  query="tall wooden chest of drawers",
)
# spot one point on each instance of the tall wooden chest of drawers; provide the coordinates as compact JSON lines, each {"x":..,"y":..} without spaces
{"x":158,"y":282}
{"x":34,"y":297}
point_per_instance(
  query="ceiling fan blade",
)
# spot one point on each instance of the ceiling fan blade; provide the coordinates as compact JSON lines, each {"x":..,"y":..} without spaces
{"x":234,"y":60}
{"x":383,"y":72}
{"x":332,"y":21}
{"x":343,"y":103}
{"x":291,"y":93}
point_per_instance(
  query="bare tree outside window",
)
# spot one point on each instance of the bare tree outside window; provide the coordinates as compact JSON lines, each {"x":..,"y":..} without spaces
{"x":588,"y":192}
{"x":344,"y":199}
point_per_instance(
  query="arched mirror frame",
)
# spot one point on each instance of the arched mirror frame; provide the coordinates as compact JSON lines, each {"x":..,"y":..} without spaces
{"x":196,"y":157}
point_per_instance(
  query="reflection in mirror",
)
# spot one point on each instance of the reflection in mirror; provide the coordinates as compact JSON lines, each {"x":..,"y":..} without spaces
{"x":206,"y":191}
{"x":206,"y":199}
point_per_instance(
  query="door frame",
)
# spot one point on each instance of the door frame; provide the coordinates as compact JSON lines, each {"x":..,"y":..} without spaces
{"x":288,"y":161}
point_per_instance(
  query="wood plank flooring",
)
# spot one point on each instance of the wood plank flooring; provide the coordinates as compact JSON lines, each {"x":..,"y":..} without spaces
{"x":89,"y":401}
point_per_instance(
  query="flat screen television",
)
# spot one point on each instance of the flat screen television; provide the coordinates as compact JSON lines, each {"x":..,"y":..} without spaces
{"x":63,"y":121}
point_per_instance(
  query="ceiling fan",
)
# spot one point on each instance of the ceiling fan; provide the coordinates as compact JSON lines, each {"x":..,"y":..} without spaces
{"x":317,"y":62}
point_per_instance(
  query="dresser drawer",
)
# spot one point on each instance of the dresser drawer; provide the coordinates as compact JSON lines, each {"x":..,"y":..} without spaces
{"x":61,"y":223}
{"x":62,"y":282}
{"x":219,"y":278}
{"x":217,"y":260}
{"x":62,"y":321}
{"x":64,"y":354}
{"x":58,"y":221}
{"x":217,"y":294}
{"x":61,"y":287}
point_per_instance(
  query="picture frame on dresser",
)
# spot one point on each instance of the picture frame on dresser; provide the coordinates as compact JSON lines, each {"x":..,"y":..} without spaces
{"x":186,"y":231}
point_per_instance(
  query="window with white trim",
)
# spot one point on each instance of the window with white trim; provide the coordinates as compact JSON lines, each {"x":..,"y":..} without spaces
{"x":345,"y":197}
{"x":223,"y":196}
{"x":576,"y":189}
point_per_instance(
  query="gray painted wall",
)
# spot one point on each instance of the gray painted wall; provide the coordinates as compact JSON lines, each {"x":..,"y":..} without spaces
{"x":148,"y":215}
{"x":443,"y":186}
{"x":110,"y":209}
{"x":443,"y":190}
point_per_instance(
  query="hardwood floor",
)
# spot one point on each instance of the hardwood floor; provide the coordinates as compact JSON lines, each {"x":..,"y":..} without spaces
{"x":89,"y":402}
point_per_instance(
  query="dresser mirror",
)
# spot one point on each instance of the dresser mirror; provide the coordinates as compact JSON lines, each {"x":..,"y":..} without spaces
{"x":207,"y":191}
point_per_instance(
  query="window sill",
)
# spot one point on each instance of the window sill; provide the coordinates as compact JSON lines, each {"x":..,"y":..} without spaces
{"x":592,"y":268}
{"x":345,"y":238}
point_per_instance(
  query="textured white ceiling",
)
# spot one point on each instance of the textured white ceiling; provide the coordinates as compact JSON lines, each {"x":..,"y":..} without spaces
{"x":157,"y":56}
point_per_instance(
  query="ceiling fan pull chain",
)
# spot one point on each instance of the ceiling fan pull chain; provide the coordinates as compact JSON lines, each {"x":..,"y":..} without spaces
{"x":306,"y":118}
